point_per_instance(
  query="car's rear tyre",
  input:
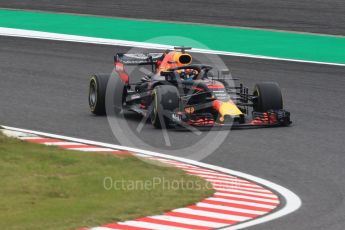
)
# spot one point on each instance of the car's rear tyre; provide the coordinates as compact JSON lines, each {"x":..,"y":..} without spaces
{"x":269,"y":97}
{"x":165,"y":99}
{"x":97,"y":92}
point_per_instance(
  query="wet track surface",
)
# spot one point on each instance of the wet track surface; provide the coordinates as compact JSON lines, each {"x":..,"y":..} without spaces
{"x":318,"y":16}
{"x":44,"y":87}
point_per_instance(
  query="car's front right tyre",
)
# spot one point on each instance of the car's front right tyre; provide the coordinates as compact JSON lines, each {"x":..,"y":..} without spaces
{"x":97,"y":91}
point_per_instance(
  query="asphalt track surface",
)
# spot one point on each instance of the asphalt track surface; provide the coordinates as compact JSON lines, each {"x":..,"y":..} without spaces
{"x":44,"y":87}
{"x":318,"y":16}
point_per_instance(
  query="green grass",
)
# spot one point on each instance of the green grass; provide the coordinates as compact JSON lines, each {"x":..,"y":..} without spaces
{"x":45,"y":187}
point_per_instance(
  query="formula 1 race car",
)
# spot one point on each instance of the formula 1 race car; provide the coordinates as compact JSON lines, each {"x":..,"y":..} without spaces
{"x":180,"y":94}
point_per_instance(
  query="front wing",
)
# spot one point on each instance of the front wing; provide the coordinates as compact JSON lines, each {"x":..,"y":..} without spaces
{"x":272,"y":118}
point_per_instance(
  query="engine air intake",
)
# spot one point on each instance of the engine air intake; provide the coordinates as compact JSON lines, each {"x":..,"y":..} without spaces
{"x":184,"y":59}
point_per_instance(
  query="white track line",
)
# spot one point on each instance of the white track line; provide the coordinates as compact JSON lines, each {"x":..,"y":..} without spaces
{"x":114,"y":42}
{"x":292,"y":201}
{"x":62,"y":143}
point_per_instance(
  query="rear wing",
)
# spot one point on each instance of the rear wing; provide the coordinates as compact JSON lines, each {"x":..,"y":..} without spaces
{"x":138,"y":58}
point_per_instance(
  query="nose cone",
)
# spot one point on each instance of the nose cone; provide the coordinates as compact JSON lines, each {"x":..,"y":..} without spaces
{"x":227,"y":108}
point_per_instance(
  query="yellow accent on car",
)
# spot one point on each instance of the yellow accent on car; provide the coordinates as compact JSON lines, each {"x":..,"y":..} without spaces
{"x":189,"y":109}
{"x":229,"y":108}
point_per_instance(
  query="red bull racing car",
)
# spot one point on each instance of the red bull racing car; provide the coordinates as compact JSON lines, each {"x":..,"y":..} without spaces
{"x":180,"y":94}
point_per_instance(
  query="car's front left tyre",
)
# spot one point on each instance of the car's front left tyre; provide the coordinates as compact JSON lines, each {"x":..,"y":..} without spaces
{"x":165,"y":101}
{"x":268,"y":97}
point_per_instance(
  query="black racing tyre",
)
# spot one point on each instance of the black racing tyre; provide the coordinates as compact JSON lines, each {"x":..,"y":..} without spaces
{"x":165,"y":99}
{"x":269,"y":97}
{"x":97,"y":90}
